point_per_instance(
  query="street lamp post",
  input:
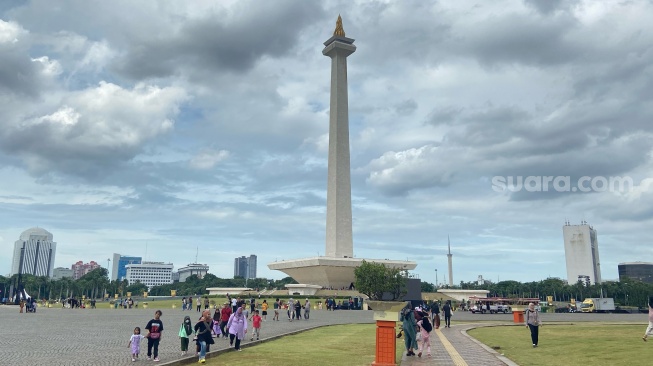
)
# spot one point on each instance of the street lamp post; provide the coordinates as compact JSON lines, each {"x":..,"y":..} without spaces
{"x":436,"y":278}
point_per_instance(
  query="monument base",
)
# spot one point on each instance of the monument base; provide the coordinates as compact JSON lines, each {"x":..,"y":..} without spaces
{"x":330,"y":272}
{"x":302,"y":289}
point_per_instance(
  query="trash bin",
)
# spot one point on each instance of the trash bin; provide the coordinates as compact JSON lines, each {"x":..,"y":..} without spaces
{"x":517,"y":316}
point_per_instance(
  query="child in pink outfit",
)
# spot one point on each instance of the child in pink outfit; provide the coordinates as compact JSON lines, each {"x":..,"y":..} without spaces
{"x":426,"y":340}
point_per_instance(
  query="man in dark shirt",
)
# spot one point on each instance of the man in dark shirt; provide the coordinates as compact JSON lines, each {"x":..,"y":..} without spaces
{"x":154,"y":328}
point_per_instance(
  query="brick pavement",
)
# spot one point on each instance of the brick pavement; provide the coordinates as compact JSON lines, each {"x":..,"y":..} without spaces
{"x":452,"y":346}
{"x":76,"y":337}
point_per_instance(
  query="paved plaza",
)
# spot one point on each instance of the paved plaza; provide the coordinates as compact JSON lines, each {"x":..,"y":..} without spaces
{"x":72,"y":337}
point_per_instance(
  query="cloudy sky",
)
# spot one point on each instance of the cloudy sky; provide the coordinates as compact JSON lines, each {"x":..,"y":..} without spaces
{"x":177,"y":125}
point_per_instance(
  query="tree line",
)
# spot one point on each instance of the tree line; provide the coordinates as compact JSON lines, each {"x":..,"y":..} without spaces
{"x":626,"y":292}
{"x":96,"y":284}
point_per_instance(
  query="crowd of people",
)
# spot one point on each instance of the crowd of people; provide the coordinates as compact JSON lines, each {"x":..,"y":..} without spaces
{"x":234,"y":321}
{"x":418,"y":323}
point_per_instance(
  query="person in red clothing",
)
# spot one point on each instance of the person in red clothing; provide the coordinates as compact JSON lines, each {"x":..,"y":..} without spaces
{"x":225,"y":313}
{"x":256,"y":324}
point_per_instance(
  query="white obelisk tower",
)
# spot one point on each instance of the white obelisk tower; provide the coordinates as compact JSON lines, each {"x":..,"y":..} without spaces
{"x":339,"y":241}
{"x":449,"y":258}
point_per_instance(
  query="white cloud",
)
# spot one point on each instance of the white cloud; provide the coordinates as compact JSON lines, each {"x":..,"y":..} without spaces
{"x":208,"y":159}
{"x":10,"y":32}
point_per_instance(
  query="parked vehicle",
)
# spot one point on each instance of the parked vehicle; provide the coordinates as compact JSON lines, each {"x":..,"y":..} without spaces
{"x":597,"y":305}
{"x":503,"y":308}
{"x":490,"y":308}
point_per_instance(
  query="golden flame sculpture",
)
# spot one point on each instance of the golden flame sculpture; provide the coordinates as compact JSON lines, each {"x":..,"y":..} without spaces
{"x":339,"y":31}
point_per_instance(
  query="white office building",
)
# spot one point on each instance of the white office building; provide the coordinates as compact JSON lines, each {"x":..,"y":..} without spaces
{"x":581,"y":253}
{"x":34,"y":253}
{"x":60,"y":272}
{"x":150,"y":273}
{"x":200,"y":270}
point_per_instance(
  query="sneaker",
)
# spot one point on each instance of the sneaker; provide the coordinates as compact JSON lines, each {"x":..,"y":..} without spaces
{"x":419,"y":354}
{"x":257,"y":338}
{"x":202,"y":361}
{"x":149,"y":358}
{"x":251,"y":339}
{"x":644,"y":338}
{"x":534,"y":345}
{"x":133,"y":359}
{"x":156,"y":359}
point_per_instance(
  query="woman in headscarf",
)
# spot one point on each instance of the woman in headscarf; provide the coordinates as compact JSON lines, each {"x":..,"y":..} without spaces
{"x":185,"y":331}
{"x":408,"y":325}
{"x":203,"y":331}
{"x":237,"y":326}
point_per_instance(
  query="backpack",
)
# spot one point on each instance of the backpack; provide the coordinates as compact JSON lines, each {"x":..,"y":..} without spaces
{"x":426,"y":324}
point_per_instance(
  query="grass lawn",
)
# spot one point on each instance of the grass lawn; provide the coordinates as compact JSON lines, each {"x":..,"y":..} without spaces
{"x":346,"y":345}
{"x":576,"y":344}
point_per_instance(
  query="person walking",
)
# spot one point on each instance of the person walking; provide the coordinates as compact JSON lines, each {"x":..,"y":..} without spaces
{"x":533,"y":322}
{"x":435,"y":313}
{"x":225,"y":313}
{"x":408,"y":325}
{"x":198,"y":304}
{"x":307,"y":309}
{"x":264,"y":310}
{"x":135,"y":343}
{"x":154,"y":328}
{"x":256,"y":325}
{"x":649,"y":329}
{"x":203,"y":332}
{"x":237,"y":326}
{"x":185,"y":331}
{"x":277,"y":307}
{"x":446,"y":311}
{"x":206,"y":303}
{"x":298,"y":310}
{"x":190,"y":303}
{"x":216,"y":323}
{"x":291,"y":309}
{"x":425,"y":329}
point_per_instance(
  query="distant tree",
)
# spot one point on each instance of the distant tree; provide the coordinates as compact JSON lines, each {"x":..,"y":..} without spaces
{"x":375,"y":279}
{"x":427,"y":287}
{"x":137,"y":288}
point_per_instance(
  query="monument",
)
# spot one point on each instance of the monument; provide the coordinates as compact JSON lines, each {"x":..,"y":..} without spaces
{"x":336,"y":268}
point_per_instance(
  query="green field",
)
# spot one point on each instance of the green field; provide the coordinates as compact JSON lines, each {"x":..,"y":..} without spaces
{"x":168,"y":303}
{"x":576,"y":344}
{"x":350,"y":345}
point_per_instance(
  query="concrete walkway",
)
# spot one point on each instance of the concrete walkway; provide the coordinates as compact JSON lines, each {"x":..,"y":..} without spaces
{"x":453,"y":346}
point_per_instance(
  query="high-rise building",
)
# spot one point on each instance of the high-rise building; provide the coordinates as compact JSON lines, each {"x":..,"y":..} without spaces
{"x":636,"y":271}
{"x":150,"y":273}
{"x":120,"y":262}
{"x":34,"y":253}
{"x":200,"y":270}
{"x":80,"y":268}
{"x":581,"y":253}
{"x":245,"y":266}
{"x":60,"y":272}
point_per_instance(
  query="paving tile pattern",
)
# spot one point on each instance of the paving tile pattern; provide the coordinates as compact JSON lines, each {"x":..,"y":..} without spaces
{"x":83,"y":337}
